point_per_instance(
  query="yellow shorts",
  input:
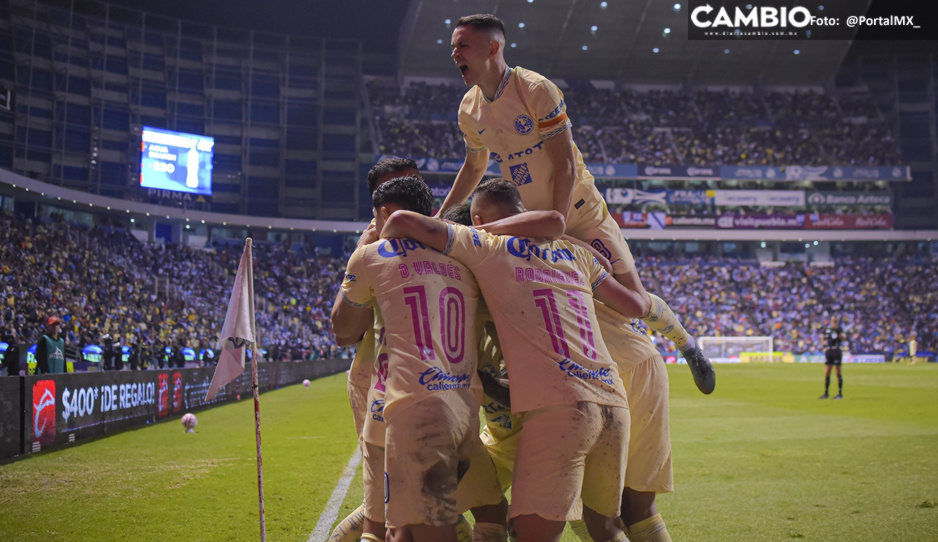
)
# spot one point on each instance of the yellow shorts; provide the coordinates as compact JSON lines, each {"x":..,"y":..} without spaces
{"x":569,"y":452}
{"x":373,"y":478}
{"x":428,"y":444}
{"x":503,"y":450}
{"x":593,"y":224}
{"x":649,"y":466}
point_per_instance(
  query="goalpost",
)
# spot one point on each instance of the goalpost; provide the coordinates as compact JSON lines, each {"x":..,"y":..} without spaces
{"x":737,"y":349}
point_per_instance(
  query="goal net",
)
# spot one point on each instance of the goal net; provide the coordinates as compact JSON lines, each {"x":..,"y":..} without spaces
{"x":737,"y":349}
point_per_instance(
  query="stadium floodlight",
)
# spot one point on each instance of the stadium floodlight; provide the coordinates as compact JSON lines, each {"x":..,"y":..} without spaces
{"x":513,"y":45}
{"x":603,"y":4}
{"x":726,"y":51}
{"x":447,"y":22}
{"x":585,"y":48}
{"x":521,"y":25}
{"x":655,"y":50}
{"x":797,"y":51}
{"x":677,"y":7}
{"x":594,"y":28}
{"x":666,"y":31}
{"x":439,"y":41}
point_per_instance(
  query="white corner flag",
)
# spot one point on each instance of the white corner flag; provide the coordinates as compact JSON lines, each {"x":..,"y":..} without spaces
{"x":238,"y":331}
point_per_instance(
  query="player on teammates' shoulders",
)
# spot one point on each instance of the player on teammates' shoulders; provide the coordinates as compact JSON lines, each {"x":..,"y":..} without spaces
{"x":519,"y":118}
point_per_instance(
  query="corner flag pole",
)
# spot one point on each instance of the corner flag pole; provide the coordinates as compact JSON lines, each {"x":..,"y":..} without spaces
{"x":260,"y":455}
{"x":239,"y":333}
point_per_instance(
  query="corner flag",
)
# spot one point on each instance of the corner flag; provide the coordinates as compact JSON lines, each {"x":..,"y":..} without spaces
{"x":238,"y":331}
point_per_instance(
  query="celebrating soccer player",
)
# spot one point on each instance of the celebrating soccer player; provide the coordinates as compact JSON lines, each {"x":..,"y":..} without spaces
{"x":519,"y":118}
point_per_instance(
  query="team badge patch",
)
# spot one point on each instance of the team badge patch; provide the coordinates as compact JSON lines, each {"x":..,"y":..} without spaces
{"x":520,"y":174}
{"x":524,"y":124}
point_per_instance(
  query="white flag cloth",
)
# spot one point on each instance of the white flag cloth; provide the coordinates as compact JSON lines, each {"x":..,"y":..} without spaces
{"x":238,"y":332}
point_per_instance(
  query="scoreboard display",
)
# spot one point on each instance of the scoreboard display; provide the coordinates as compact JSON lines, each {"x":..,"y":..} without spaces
{"x":176,"y":161}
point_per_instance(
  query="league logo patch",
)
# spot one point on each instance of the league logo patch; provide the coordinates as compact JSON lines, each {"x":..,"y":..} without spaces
{"x":520,"y":174}
{"x":524,"y":124}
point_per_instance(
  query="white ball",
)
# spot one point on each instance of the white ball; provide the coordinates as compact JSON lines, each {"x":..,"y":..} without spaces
{"x":189,"y":421}
{"x":306,"y":383}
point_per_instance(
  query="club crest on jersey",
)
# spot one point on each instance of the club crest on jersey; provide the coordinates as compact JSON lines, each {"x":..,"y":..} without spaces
{"x":524,"y":124}
{"x":520,"y":174}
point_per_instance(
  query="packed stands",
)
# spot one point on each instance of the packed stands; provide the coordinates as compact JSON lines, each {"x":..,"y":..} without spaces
{"x":660,"y":127}
{"x":103,"y":280}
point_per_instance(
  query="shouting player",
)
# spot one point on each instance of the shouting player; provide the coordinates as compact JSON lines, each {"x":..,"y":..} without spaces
{"x":519,"y":118}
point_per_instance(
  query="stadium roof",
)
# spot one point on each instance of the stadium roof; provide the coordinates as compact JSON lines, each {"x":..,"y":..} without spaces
{"x":637,"y":42}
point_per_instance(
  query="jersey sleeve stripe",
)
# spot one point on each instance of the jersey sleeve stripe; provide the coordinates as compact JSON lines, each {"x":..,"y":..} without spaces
{"x":544,"y":125}
{"x":600,"y":280}
{"x":560,"y":130}
{"x":354,"y":304}
{"x":450,"y":237}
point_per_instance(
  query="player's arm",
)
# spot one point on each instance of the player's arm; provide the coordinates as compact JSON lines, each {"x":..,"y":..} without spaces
{"x":603,"y":261}
{"x":540,"y":224}
{"x":562,"y":155}
{"x":468,"y":178}
{"x":352,"y":312}
{"x":615,"y":295}
{"x":429,"y":231}
{"x":350,"y":322}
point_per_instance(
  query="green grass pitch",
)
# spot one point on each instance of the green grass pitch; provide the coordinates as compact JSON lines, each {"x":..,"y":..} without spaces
{"x":761,"y":459}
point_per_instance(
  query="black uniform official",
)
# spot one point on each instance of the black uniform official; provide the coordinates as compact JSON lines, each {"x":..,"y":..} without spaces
{"x":833,"y":354}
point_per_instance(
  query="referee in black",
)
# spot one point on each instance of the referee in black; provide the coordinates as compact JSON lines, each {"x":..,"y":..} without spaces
{"x":833,"y":339}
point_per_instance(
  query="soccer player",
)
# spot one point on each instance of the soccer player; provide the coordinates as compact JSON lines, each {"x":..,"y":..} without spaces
{"x":645,"y":378}
{"x":519,"y":118}
{"x":563,"y":380}
{"x":833,"y":339}
{"x":432,"y":392}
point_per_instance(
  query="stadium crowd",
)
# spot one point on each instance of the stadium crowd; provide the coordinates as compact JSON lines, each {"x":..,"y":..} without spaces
{"x":102,"y":280}
{"x":661,"y":127}
{"x":880,"y":303}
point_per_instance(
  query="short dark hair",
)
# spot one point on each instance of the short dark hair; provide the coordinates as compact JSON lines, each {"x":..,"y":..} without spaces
{"x":459,"y":214}
{"x":482,"y":21}
{"x":385,"y":166}
{"x":499,"y":191}
{"x":410,"y":192}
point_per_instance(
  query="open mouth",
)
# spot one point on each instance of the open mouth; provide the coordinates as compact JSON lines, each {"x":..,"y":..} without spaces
{"x":463,"y":69}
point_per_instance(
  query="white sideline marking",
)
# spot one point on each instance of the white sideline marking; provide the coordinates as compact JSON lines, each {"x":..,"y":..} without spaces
{"x":329,"y":515}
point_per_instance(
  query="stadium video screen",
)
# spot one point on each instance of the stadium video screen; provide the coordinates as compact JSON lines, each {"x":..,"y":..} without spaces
{"x":176,"y":161}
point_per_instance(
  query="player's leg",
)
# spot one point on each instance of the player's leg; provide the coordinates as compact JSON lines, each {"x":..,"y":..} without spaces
{"x":480,"y":491}
{"x":548,"y":476}
{"x":642,"y":520}
{"x":373,"y":479}
{"x":422,"y":463}
{"x":840,"y":379}
{"x":604,"y":474}
{"x":596,"y":227}
{"x":350,"y":528}
{"x":827,"y":376}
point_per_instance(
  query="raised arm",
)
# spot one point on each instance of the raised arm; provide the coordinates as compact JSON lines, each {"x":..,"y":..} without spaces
{"x":429,"y":231}
{"x":468,"y":178}
{"x":537,"y":224}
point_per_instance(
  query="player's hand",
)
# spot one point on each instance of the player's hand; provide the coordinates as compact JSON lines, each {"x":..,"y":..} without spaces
{"x":370,"y":235}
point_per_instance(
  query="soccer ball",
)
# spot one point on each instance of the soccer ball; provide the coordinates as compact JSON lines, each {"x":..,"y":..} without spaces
{"x":189,"y":421}
{"x":306,"y":383}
